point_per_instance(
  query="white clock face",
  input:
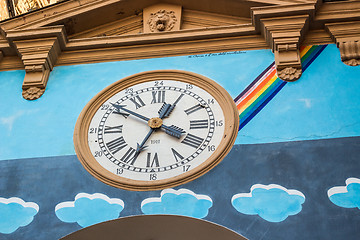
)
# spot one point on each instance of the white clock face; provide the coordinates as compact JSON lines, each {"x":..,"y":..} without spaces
{"x":156,"y":130}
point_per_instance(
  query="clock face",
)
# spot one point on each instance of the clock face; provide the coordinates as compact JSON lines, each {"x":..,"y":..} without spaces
{"x":155,"y":130}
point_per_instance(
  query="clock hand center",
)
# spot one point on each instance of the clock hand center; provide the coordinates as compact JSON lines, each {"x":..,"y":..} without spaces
{"x":155,"y":122}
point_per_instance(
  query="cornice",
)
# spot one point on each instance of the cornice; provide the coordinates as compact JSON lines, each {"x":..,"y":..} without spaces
{"x":35,"y":41}
{"x":168,"y":37}
{"x":338,"y":11}
{"x":165,"y":49}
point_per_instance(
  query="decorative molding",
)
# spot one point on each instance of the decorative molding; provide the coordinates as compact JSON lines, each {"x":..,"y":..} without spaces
{"x":337,"y":12}
{"x":162,"y":18}
{"x":39,"y":50}
{"x":284,"y":35}
{"x":162,"y":21}
{"x":347,"y":38}
{"x":126,"y":26}
{"x":197,"y":19}
{"x":33,"y":93}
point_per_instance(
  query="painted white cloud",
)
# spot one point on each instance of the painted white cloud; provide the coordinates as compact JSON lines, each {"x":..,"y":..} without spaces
{"x":15,"y":213}
{"x":346,"y":196}
{"x":88,"y":209}
{"x":273,"y":202}
{"x":178,"y":202}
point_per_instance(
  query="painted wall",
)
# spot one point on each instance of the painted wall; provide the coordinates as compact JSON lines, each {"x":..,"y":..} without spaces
{"x":294,"y":169}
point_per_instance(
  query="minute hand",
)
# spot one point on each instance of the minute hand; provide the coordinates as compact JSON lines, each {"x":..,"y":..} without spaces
{"x":131,"y":112}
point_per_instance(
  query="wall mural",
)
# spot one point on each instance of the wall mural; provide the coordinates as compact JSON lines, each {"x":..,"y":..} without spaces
{"x":346,"y":196}
{"x":89,"y":209}
{"x":15,"y":213}
{"x":293,"y":135}
{"x":179,"y":202}
{"x":267,"y":85}
{"x":273,"y":202}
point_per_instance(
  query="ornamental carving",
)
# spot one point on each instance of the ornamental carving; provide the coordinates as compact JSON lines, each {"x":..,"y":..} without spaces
{"x":33,"y":93}
{"x":352,"y":62}
{"x":289,"y":74}
{"x":162,"y":21}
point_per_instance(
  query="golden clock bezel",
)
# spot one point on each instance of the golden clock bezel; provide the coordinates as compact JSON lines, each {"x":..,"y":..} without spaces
{"x":93,"y":167}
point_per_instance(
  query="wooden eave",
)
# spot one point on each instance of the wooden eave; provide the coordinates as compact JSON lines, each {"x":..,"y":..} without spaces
{"x":223,"y":25}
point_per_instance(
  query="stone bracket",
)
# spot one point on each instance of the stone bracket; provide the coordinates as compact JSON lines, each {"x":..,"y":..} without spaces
{"x":347,"y":38}
{"x":284,"y":35}
{"x":283,"y":28}
{"x":39,"y":49}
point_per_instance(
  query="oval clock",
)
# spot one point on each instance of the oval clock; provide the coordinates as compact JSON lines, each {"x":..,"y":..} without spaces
{"x":155,"y":130}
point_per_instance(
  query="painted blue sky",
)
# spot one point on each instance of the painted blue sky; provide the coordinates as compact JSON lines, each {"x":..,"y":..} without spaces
{"x":324,"y":103}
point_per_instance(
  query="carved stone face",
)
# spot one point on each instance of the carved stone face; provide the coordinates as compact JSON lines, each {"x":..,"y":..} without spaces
{"x":162,"y":21}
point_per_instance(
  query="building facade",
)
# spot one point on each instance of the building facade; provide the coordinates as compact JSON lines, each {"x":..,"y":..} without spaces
{"x":290,"y":168}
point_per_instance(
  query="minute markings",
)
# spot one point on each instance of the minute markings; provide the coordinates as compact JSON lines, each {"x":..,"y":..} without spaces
{"x":127,"y":157}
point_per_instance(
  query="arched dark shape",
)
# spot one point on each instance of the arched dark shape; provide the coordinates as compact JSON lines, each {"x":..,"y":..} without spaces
{"x":155,"y":227}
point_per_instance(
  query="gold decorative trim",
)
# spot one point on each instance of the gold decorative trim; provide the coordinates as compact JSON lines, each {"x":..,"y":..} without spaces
{"x":92,"y":166}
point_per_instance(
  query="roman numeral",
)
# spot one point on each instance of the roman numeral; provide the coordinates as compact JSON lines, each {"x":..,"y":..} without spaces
{"x":116,"y":145}
{"x":192,"y":140}
{"x":137,"y":101}
{"x":117,"y":111}
{"x":193,"y":109}
{"x":158,"y":97}
{"x":155,"y":161}
{"x":178,"y":99}
{"x":177,"y":155}
{"x":115,"y":129}
{"x":130,"y":155}
{"x":196,"y":124}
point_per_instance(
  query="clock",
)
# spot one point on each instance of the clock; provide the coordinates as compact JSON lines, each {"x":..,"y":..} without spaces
{"x":155,"y":130}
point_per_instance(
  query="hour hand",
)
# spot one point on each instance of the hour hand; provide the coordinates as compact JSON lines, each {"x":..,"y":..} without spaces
{"x":165,"y":110}
{"x":173,"y":130}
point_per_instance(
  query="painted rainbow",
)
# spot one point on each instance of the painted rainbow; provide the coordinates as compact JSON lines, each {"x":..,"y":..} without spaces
{"x":264,"y":88}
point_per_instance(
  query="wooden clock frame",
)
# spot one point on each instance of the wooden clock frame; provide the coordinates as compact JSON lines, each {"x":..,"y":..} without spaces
{"x":93,"y":167}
